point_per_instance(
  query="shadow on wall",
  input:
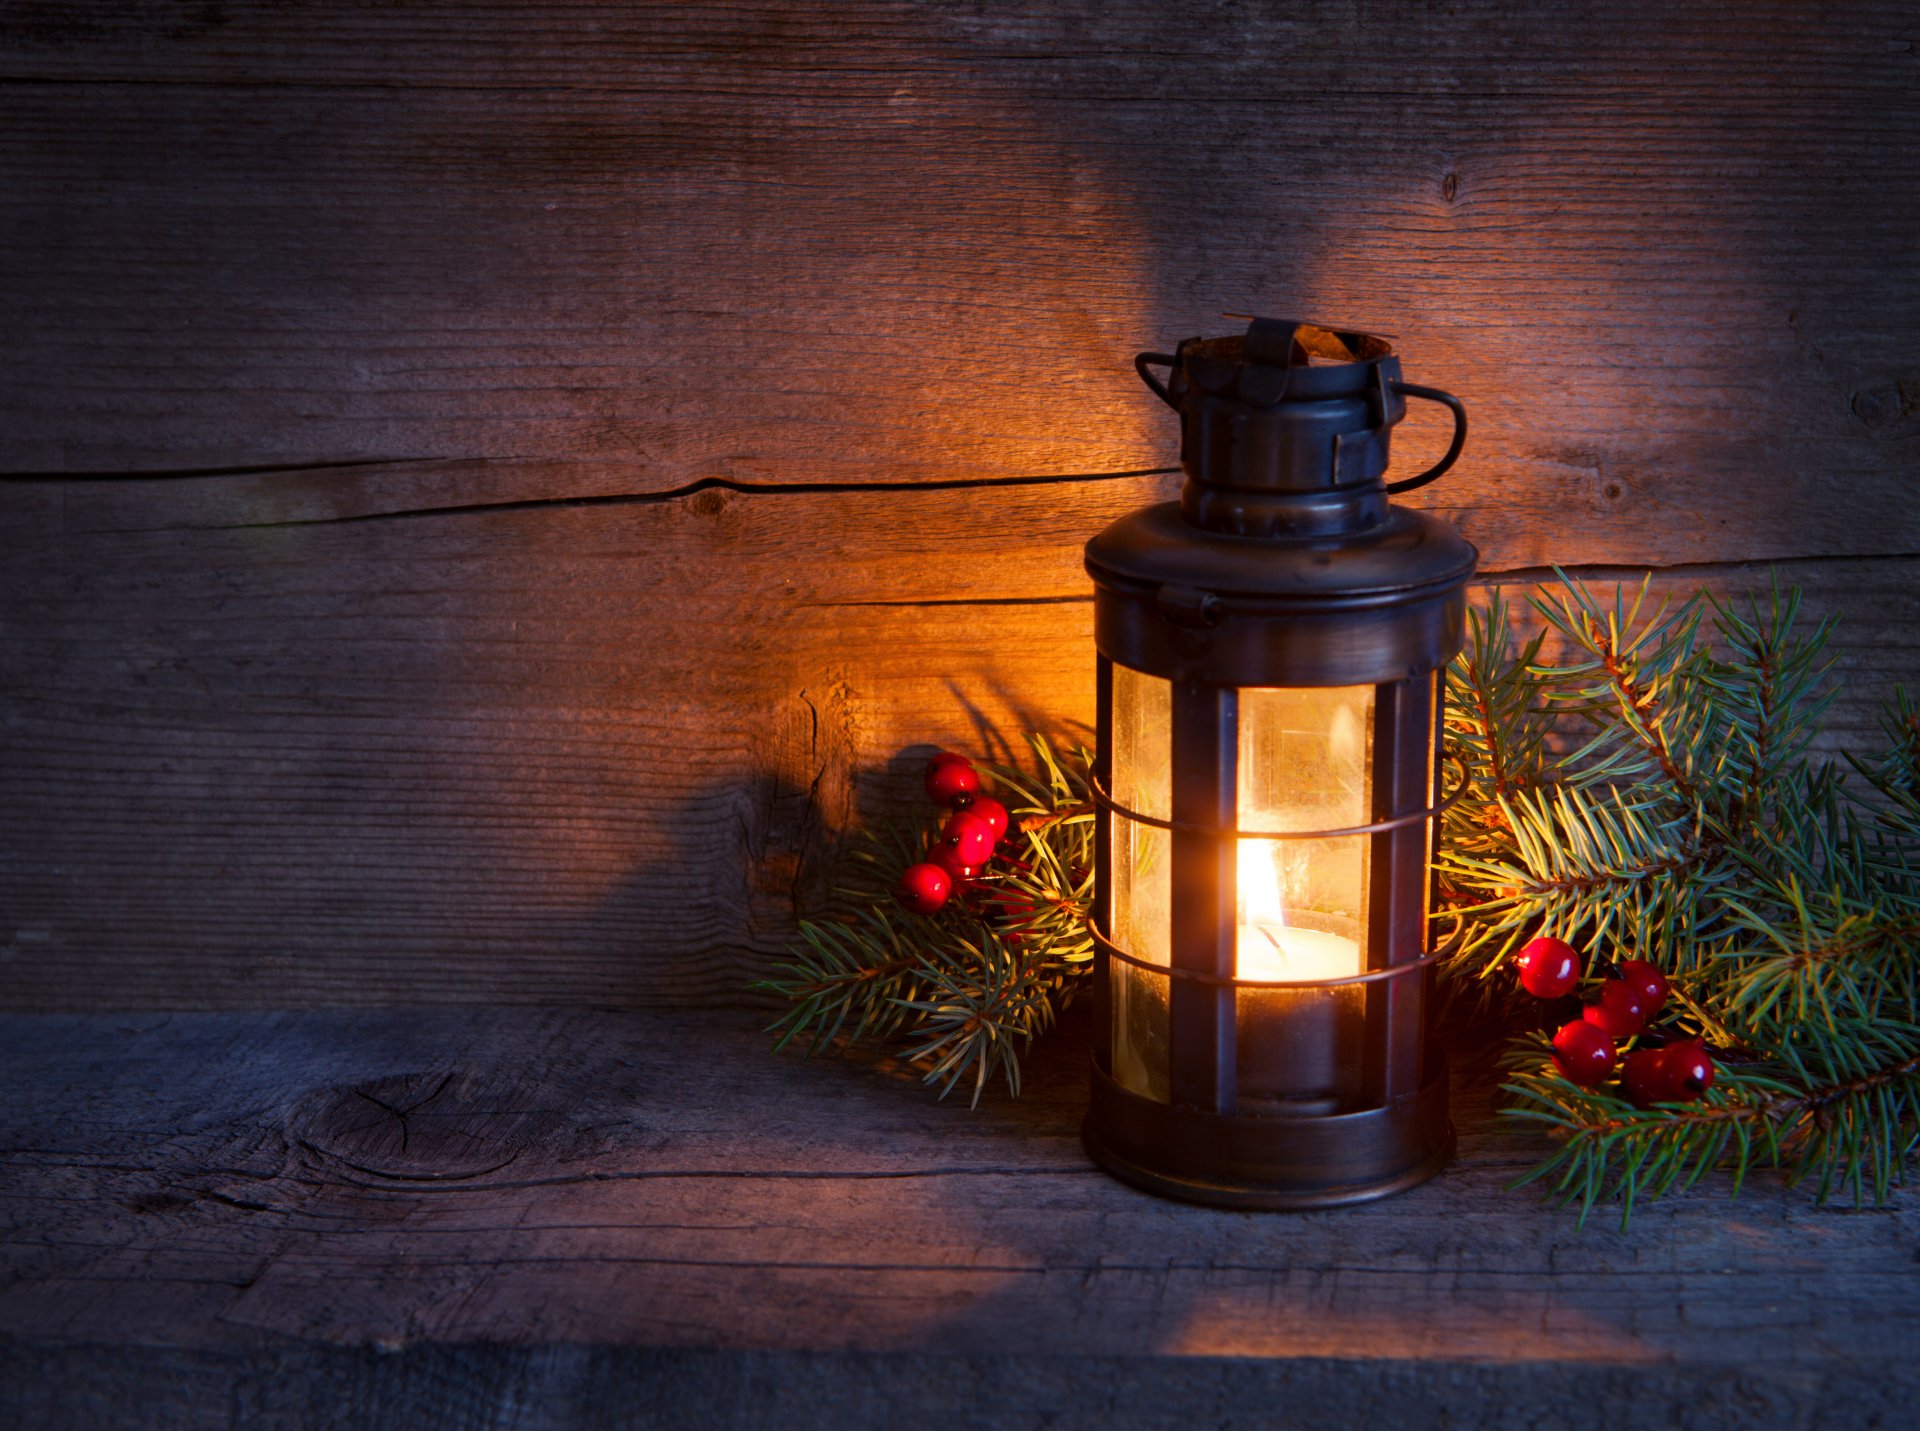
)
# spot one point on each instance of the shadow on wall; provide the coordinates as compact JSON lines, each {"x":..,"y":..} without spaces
{"x":1623,"y":240}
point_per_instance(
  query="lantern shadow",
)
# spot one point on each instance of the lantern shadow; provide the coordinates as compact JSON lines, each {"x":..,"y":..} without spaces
{"x":1030,"y":1245}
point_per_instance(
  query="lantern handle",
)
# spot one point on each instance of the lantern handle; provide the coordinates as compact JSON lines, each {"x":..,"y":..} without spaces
{"x":1451,"y":402}
{"x":1142,"y":361}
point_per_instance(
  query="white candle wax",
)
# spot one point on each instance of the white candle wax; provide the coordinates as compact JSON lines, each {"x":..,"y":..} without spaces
{"x":1268,"y":951}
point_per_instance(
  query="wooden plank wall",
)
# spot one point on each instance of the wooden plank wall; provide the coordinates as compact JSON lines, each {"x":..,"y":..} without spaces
{"x":492,"y":488}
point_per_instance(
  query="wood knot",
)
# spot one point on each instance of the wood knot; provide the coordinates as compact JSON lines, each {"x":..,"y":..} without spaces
{"x":1886,"y":408}
{"x":424,"y":1127}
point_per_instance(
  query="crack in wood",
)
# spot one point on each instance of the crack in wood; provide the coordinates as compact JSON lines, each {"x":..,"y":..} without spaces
{"x":852,"y":1175}
{"x":616,"y":499}
{"x":192,"y":474}
{"x":932,"y":601}
{"x":1614,"y":571}
{"x":389,"y":1175}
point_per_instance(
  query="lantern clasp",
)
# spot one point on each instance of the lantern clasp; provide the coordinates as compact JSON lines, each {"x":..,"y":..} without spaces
{"x":1186,"y":606}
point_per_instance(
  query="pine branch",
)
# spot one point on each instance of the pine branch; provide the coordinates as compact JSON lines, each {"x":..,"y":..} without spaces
{"x":1589,"y":868}
{"x":964,"y":990}
{"x":1609,"y":1150}
{"x":1639,"y":685}
{"x":981,"y":1012}
{"x":1842,"y":1115}
{"x":1650,"y":793}
{"x":862,"y":970}
{"x":1492,"y":722}
{"x":1693,"y":828}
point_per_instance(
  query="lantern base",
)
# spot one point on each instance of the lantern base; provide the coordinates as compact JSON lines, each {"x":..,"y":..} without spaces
{"x":1278,"y":1164}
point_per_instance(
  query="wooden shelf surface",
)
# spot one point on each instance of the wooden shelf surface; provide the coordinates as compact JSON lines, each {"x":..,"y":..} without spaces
{"x":522,"y":1218}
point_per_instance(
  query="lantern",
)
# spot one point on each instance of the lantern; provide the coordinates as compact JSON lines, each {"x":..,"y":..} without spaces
{"x":1270,"y":657}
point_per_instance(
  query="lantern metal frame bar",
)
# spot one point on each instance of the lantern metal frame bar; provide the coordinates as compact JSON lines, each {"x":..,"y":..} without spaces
{"x":1372,"y":976}
{"x":1202,"y":1019}
{"x":1397,"y":917}
{"x":1098,"y":793}
{"x":1102,"y":776}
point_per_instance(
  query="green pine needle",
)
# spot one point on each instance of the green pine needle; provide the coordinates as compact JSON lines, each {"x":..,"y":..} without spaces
{"x":1683,"y":818}
{"x":961,"y":993}
{"x":1643,"y":780}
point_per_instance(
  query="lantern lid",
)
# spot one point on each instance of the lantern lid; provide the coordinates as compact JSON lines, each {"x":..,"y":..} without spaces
{"x":1285,"y":429}
{"x":1284,"y":563}
{"x":1188,"y":604}
{"x":1408,"y":553}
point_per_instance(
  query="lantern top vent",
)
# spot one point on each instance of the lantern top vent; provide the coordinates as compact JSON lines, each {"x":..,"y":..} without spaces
{"x":1285,"y":429}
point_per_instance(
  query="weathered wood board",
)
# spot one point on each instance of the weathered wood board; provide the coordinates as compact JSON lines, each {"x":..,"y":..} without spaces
{"x":534,"y":1218}
{"x":593,"y":755}
{"x":1667,"y":255}
{"x":432,"y":564}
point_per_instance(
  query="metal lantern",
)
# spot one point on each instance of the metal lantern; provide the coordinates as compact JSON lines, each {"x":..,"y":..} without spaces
{"x":1270,"y":649}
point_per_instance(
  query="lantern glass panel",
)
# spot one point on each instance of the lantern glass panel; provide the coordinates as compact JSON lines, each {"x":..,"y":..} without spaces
{"x":1142,"y":775}
{"x":1301,"y":905}
{"x":1304,"y":765}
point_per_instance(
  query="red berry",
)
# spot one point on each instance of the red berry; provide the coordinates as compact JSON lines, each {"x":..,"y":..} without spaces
{"x":1585,"y":1054}
{"x":992,"y":811}
{"x":969,"y":837}
{"x":961,"y":873}
{"x":951,"y":779}
{"x":1648,"y":982}
{"x":924,"y":888}
{"x":1689,"y":1069}
{"x":1549,"y":967}
{"x":1643,"y":1078}
{"x":1620,"y":1012}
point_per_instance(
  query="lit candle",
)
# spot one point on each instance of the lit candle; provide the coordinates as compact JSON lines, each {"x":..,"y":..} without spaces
{"x":1270,"y":948}
{"x":1296,"y":1046}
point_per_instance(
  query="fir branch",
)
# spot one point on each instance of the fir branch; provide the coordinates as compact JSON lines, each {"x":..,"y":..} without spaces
{"x":1694,"y":828}
{"x":968,"y":988}
{"x":1587,"y":867}
{"x":1769,"y":684}
{"x":1650,"y":792}
{"x":1841,"y":1113}
{"x":1492,"y":722}
{"x":981,"y":1012}
{"x":862,"y":970}
{"x":1606,"y":1149}
{"x":1638,"y":683}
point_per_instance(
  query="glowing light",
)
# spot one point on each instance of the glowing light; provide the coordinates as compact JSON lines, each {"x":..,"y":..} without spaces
{"x":1270,"y":948}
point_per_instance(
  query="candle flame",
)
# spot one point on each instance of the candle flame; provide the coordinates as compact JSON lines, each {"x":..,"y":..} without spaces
{"x":1258,"y":887}
{"x":1268,"y":948}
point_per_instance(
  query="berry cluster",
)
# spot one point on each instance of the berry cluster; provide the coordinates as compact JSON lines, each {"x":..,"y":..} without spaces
{"x":1678,"y":1070}
{"x":966,"y":841}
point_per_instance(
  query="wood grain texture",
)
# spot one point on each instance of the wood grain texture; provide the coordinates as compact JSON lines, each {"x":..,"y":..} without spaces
{"x":587,"y":754}
{"x":190,"y":1216}
{"x":1666,"y":257}
{"x":437,"y":559}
